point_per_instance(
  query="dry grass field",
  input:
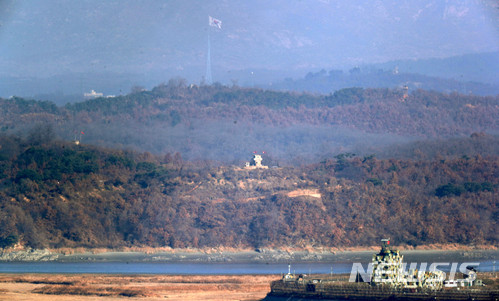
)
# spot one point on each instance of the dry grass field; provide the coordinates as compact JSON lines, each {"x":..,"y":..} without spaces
{"x":87,"y":287}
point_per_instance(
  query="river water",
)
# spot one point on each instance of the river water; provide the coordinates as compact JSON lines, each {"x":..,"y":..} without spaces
{"x":184,"y":268}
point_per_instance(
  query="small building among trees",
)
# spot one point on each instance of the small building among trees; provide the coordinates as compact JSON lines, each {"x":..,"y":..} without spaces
{"x":256,"y":162}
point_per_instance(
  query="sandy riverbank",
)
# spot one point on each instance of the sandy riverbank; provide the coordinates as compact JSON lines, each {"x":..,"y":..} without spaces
{"x":47,"y":287}
{"x":89,"y":287}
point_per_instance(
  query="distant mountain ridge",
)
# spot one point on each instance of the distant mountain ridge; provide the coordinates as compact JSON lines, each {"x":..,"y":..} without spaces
{"x":469,"y":74}
{"x":171,"y":38}
{"x":476,"y":67}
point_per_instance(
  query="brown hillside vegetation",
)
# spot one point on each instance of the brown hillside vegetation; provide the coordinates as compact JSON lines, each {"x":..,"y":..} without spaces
{"x":224,"y":124}
{"x":62,"y":195}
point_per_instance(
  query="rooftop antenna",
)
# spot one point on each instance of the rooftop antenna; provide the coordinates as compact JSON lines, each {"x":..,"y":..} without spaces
{"x":385,"y":244}
{"x":77,"y":139}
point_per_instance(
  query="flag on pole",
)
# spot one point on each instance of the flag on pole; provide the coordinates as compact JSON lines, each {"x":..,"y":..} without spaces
{"x":215,"y":22}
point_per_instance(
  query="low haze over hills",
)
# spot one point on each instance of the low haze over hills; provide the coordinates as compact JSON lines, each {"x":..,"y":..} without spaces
{"x":226,"y":123}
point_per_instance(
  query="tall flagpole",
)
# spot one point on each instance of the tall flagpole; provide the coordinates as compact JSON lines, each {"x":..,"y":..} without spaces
{"x":208,"y":78}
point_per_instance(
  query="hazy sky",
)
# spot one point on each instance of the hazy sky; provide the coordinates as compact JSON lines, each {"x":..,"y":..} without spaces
{"x":41,"y":38}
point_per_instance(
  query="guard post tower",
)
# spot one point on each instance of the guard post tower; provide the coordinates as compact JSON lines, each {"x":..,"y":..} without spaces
{"x":256,"y":162}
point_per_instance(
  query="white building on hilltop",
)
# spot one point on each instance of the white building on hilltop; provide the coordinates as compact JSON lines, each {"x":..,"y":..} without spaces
{"x":93,"y":94}
{"x":255,"y":163}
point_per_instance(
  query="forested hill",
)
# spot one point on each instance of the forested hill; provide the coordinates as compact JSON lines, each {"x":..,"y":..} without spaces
{"x":59,"y":194}
{"x":226,"y":123}
{"x":372,"y":76}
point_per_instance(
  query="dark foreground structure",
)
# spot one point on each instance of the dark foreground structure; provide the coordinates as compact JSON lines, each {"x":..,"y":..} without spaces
{"x":387,"y":280}
{"x":328,"y":290}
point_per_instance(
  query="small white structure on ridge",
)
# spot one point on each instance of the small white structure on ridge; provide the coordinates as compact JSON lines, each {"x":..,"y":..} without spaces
{"x":256,"y":162}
